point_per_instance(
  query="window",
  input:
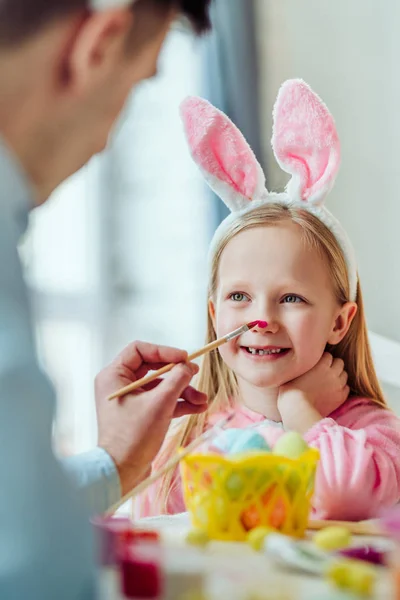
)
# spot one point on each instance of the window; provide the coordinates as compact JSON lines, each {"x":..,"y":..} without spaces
{"x":120,"y":252}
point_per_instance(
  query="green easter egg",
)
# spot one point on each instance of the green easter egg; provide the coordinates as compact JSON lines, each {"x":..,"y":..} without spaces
{"x":234,"y":486}
{"x":290,"y":445}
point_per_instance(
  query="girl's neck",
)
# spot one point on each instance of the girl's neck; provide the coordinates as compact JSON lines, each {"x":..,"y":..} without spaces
{"x":260,"y":400}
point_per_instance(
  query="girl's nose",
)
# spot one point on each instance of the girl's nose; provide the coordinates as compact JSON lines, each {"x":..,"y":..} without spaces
{"x":264,"y":327}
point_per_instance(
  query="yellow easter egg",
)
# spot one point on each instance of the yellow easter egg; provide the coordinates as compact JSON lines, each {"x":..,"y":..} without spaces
{"x":353,"y":576}
{"x":332,"y":538}
{"x":256,"y":537}
{"x":197,"y":537}
{"x":290,"y":445}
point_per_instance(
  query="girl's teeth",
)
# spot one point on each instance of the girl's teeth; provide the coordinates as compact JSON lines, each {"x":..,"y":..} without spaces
{"x":261,"y":352}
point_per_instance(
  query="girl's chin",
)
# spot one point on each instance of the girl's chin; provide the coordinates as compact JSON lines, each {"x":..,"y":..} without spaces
{"x":269,"y":384}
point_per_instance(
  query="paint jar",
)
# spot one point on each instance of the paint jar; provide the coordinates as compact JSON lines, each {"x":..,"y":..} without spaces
{"x":107,"y":532}
{"x":142,"y":573}
{"x":113,"y":532}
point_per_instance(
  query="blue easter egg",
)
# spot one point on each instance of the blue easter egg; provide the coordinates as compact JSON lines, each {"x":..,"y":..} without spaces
{"x":249,"y":440}
{"x":235,"y":441}
{"x":226,"y":439}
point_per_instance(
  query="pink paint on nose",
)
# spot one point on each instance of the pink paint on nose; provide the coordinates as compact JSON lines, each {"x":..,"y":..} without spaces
{"x":262,"y":324}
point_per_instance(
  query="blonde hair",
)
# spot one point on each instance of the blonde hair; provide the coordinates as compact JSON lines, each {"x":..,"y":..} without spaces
{"x":218,"y":381}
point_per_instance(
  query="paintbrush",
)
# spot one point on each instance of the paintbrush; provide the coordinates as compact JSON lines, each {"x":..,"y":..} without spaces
{"x":207,"y":435}
{"x":208,"y":348}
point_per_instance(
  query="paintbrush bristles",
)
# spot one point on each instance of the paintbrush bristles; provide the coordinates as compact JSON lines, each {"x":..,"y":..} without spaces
{"x":155,"y":374}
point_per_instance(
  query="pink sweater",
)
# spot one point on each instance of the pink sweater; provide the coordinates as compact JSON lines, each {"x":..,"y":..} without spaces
{"x":359,"y":469}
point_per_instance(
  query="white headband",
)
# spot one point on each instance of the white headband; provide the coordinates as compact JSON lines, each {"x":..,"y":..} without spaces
{"x":305,"y":143}
{"x":100,"y":5}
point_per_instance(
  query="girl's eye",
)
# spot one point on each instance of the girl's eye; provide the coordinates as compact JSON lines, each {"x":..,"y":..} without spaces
{"x":292,"y":299}
{"x":238,"y":297}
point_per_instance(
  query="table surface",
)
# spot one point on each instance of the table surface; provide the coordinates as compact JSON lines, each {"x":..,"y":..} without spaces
{"x":282,"y":583}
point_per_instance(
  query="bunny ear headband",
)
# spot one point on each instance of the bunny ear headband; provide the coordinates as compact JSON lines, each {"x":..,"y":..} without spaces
{"x":305,"y":143}
{"x":99,"y":5}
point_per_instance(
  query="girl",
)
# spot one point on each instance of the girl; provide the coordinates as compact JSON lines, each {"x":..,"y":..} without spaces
{"x":284,"y":259}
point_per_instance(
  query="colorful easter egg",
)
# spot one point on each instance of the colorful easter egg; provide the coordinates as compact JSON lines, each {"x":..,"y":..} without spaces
{"x":353,"y":576}
{"x":256,"y":537}
{"x":332,"y":538}
{"x":248,"y":441}
{"x":251,"y":518}
{"x":197,"y":537}
{"x":277,"y":514}
{"x":235,"y":441}
{"x":235,"y":486}
{"x":290,"y":445}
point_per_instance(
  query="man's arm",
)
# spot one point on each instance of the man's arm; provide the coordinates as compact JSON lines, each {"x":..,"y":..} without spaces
{"x":96,"y":475}
{"x":45,"y":543}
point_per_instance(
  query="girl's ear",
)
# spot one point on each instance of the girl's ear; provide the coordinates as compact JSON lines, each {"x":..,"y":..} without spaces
{"x":342,"y":322}
{"x":211,"y":311}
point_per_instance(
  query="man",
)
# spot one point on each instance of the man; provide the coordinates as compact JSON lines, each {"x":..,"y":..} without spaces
{"x":66,"y":69}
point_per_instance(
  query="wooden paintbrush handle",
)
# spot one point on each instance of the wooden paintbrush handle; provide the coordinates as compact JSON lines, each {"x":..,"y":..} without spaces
{"x":355,"y":527}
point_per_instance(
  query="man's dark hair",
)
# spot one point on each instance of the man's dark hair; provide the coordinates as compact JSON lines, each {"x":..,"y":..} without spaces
{"x":20,"y":19}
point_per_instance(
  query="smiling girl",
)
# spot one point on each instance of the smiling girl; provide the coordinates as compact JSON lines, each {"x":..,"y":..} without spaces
{"x":284,"y":259}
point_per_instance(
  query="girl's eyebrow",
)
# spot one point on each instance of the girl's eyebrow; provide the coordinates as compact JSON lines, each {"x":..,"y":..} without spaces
{"x":234,"y":283}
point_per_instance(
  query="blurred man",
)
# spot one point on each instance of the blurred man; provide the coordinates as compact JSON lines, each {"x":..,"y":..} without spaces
{"x":66,"y":69}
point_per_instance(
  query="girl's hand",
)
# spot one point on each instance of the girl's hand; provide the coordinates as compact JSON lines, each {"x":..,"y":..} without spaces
{"x":315,"y":395}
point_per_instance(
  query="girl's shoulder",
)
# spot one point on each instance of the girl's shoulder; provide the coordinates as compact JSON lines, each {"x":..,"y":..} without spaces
{"x":357,"y":410}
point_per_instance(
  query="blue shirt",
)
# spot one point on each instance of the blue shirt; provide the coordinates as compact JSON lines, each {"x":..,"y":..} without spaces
{"x":46,"y":548}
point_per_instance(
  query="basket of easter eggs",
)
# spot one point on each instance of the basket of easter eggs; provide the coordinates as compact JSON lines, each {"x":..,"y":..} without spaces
{"x":239,"y":484}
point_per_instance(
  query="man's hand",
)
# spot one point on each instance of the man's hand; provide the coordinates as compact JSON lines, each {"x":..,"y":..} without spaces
{"x":316,"y":394}
{"x":132,"y":429}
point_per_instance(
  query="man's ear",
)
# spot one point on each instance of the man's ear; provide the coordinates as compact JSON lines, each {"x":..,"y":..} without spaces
{"x":342,"y":322}
{"x":97,"y":48}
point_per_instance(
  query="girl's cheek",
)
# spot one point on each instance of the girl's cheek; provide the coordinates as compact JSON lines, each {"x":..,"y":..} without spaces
{"x":228,"y":352}
{"x":226,"y":321}
{"x":310,"y":334}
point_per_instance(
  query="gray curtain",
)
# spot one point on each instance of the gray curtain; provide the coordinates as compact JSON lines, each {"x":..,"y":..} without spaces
{"x":231,"y":72}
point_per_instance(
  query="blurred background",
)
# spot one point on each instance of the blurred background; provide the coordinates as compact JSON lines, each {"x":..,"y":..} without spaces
{"x":128,"y":234}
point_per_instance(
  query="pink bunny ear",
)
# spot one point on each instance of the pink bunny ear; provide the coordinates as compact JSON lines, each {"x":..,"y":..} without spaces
{"x":305,"y":142}
{"x":222,"y":154}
